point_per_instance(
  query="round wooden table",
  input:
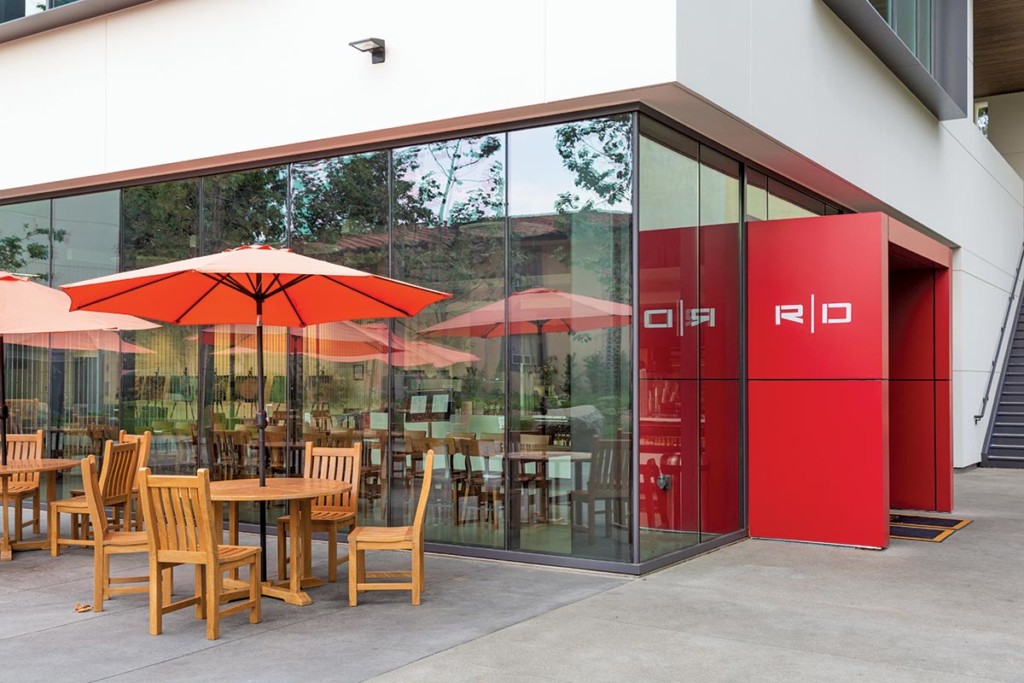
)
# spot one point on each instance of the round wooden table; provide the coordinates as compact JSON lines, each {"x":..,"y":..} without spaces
{"x":299,"y":492}
{"x":48,"y":465}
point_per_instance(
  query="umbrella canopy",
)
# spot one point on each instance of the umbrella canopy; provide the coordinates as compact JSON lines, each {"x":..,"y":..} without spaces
{"x":253,"y":284}
{"x":534,"y":311}
{"x":338,"y":339}
{"x":414,"y":353}
{"x":27,"y":307}
{"x":88,"y":340}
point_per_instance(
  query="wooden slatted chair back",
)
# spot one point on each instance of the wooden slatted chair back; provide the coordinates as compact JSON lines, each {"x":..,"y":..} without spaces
{"x":144,"y":440}
{"x":610,"y":468}
{"x":421,"y":504}
{"x":336,"y":464}
{"x":25,"y":447}
{"x":179,"y":517}
{"x":94,"y":500}
{"x":120,"y":463}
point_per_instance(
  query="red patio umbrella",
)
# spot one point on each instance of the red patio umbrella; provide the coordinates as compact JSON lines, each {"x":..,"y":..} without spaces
{"x":534,"y":311}
{"x":253,"y":284}
{"x":27,"y":307}
{"x":86,"y":340}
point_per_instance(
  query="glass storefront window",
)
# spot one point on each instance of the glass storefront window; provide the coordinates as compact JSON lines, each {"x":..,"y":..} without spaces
{"x":448,"y":389}
{"x":340,"y":214}
{"x":522,"y":382}
{"x":160,"y":371}
{"x":25,"y":249}
{"x":570,"y":387}
{"x":688,"y":358}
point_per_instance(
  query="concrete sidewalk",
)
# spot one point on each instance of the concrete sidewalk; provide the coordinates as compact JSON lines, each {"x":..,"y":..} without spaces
{"x":757,"y":610}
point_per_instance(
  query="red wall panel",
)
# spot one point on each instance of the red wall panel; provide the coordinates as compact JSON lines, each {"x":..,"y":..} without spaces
{"x":816,"y":293}
{"x":819,"y":462}
{"x":719,"y":314}
{"x":911,"y":324}
{"x":943,"y":446}
{"x":667,"y":294}
{"x":912,"y":444}
{"x":719,"y":456}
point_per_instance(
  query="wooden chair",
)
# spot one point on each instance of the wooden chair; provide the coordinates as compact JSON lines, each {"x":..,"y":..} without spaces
{"x":229,"y":449}
{"x":329,"y":514}
{"x":409,"y":538}
{"x":533,"y":473}
{"x":609,"y":483}
{"x":120,"y":463}
{"x":24,"y":484}
{"x":342,"y":438}
{"x":145,"y":441}
{"x":107,"y":542}
{"x":472,"y":478}
{"x":181,"y":528}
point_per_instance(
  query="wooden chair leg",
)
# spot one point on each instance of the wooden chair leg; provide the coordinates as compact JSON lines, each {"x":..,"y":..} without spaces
{"x":201,"y":591}
{"x":52,"y":528}
{"x":213,"y":580}
{"x":256,"y":610}
{"x":17,"y":520}
{"x":356,"y":559}
{"x":156,"y":623}
{"x":417,"y":575}
{"x":100,"y":572}
{"x":36,"y":504}
{"x":332,"y":555}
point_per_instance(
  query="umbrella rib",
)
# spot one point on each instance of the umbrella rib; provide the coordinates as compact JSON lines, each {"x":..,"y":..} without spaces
{"x":122,"y":292}
{"x":284,"y":293}
{"x":368,"y":296}
{"x":282,"y":287}
{"x":199,"y":300}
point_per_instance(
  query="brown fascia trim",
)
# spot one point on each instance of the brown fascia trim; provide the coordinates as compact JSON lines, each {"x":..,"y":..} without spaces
{"x":80,"y":10}
{"x":531,"y":116}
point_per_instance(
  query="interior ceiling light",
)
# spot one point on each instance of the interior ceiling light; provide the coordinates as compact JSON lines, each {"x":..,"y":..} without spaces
{"x":375,"y":46}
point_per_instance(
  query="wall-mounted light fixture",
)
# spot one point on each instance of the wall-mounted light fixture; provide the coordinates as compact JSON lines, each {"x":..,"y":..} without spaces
{"x":375,"y":46}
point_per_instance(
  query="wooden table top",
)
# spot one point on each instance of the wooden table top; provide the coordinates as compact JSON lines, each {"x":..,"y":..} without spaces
{"x":38,"y":465}
{"x":575,"y":456}
{"x":277,"y":488}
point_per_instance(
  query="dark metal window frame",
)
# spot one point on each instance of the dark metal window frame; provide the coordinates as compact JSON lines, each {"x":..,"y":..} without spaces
{"x":943,"y":87}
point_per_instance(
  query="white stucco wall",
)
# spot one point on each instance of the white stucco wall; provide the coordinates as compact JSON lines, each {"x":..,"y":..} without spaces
{"x":784,"y":83}
{"x":799,"y":76}
{"x":182,"y":79}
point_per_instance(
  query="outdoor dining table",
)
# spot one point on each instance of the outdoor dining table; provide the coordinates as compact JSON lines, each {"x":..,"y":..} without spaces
{"x":541,"y":457}
{"x":48,"y":465}
{"x":299,"y":493}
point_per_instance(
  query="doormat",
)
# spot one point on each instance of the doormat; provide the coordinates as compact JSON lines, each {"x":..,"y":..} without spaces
{"x":919,"y":533}
{"x":934,"y":522}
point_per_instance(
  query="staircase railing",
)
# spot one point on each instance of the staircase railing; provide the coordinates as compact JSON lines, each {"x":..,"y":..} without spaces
{"x":1002,"y":334}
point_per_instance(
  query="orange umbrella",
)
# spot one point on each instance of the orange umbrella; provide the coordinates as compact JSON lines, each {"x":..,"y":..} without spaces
{"x":27,"y":307}
{"x":258,"y":284}
{"x":537,"y":311}
{"x":87,"y":340}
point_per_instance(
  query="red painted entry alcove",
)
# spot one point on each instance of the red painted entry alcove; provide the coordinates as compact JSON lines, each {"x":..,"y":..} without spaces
{"x":849,"y":377}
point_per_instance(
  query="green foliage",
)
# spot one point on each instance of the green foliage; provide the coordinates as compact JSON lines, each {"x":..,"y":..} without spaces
{"x":160,"y":222}
{"x":599,"y":154}
{"x":17,"y":251}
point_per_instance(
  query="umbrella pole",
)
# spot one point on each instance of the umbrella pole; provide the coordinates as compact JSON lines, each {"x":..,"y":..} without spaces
{"x":261,"y":426}
{"x":3,"y":405}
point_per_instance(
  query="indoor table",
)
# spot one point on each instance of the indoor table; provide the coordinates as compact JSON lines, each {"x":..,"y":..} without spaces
{"x":299,"y":493}
{"x":48,"y":465}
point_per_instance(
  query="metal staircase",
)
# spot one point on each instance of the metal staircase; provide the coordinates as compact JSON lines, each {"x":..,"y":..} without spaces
{"x":1004,"y":445}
